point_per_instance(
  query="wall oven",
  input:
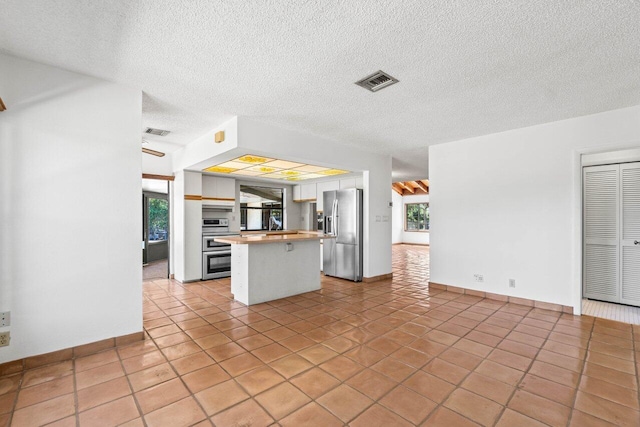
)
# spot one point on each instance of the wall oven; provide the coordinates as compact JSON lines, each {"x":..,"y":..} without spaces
{"x":216,"y":256}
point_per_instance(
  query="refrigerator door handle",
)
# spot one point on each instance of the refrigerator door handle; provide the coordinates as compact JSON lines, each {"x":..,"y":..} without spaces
{"x":335,"y":217}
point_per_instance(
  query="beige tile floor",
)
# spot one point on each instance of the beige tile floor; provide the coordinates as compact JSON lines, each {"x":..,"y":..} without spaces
{"x":611,"y":311}
{"x":391,"y":353}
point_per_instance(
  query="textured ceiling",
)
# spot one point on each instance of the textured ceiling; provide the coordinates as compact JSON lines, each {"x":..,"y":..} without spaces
{"x":465,"y":68}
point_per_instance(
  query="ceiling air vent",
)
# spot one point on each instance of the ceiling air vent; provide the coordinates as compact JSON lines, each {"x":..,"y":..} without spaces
{"x":376,"y":81}
{"x":158,"y":132}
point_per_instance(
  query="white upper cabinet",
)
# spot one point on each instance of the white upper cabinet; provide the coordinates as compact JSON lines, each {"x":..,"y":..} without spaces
{"x":308,"y":191}
{"x":304,"y":193}
{"x":218,"y":190}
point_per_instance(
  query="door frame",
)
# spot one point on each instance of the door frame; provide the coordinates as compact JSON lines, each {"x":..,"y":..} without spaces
{"x":582,"y":158}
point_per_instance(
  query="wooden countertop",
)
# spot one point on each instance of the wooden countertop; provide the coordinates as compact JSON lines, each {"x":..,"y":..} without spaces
{"x":290,"y":236}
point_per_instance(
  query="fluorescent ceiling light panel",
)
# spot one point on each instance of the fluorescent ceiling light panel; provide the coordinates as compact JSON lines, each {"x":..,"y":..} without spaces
{"x":254,"y":160}
{"x":283,"y":164}
{"x":263,"y":169}
{"x":333,"y":172}
{"x":233,"y":165}
{"x":246,"y":172}
{"x":266,"y":167}
{"x":311,"y":168}
{"x":219,"y":169}
{"x":312,"y":175}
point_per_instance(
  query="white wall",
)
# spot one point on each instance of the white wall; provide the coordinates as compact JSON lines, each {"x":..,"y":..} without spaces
{"x":397,"y":218}
{"x":70,"y":218}
{"x":187,"y":228}
{"x":262,"y":139}
{"x":508,"y":205}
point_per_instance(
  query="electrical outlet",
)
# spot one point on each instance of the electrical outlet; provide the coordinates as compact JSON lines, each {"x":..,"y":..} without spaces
{"x":479,"y":277}
{"x":512,"y":283}
{"x":5,"y":318}
{"x":4,"y":338}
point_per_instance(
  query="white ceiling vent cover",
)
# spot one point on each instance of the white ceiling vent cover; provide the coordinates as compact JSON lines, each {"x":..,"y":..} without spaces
{"x":158,"y":132}
{"x":376,"y":81}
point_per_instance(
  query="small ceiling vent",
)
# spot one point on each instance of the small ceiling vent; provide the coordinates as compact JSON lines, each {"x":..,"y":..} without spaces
{"x":158,"y":132}
{"x":376,"y":81}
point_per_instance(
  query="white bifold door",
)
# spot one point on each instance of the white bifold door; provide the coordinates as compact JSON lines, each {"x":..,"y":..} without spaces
{"x":612,"y":233}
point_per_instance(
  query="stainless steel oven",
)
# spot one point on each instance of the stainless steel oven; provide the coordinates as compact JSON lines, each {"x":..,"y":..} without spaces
{"x":216,"y":256}
{"x":216,"y":264}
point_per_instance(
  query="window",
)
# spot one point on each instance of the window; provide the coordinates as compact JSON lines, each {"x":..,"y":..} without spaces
{"x":158,"y":219}
{"x":416,"y":217}
{"x":261,"y":208}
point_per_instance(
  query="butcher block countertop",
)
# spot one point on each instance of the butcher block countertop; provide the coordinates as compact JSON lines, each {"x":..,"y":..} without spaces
{"x":274,"y":237}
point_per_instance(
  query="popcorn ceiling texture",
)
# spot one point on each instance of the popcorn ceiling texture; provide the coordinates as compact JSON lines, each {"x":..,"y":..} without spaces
{"x":465,"y":68}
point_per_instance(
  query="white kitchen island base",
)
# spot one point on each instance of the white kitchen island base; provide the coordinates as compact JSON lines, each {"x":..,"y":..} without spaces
{"x":267,"y":271}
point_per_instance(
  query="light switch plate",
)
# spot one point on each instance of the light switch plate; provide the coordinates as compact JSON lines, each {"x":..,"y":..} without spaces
{"x":5,"y":318}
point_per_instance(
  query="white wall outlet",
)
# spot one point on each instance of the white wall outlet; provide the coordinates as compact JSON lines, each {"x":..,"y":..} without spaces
{"x":378,"y":218}
{"x":5,"y":318}
{"x":5,"y":337}
{"x":512,"y":283}
{"x":478,"y":277}
{"x":385,"y":218}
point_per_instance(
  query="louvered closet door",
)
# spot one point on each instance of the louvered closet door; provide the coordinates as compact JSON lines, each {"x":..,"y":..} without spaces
{"x":601,"y":232}
{"x":630,"y":241}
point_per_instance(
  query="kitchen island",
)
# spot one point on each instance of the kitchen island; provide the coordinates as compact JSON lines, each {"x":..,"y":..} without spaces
{"x":270,"y":266}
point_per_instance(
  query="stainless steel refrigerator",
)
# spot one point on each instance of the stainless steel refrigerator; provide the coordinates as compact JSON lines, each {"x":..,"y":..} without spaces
{"x":342,"y":255}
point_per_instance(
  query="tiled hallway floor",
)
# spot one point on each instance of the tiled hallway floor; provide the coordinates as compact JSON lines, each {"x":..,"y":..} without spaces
{"x":390,"y":353}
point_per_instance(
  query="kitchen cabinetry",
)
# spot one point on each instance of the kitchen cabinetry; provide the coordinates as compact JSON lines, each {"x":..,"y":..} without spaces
{"x":304,"y":193}
{"x":218,"y":191}
{"x":321,"y":187}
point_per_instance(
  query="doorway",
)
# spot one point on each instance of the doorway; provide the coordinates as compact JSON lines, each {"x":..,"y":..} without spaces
{"x":155,"y":231}
{"x":611,"y":240}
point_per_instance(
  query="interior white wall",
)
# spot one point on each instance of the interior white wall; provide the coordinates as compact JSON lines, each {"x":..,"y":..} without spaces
{"x":397,"y":222}
{"x":262,"y":139}
{"x":197,"y":154}
{"x":508,"y":205}
{"x":157,"y":165}
{"x":70,"y":218}
{"x":187,"y":228}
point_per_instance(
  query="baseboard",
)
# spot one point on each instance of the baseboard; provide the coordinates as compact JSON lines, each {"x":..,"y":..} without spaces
{"x":504,"y":298}
{"x":377,"y":278}
{"x":30,"y":362}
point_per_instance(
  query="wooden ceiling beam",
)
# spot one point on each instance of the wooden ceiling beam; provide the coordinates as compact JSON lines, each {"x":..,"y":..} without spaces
{"x":418,"y":186}
{"x":422,"y":186}
{"x":406,"y":187}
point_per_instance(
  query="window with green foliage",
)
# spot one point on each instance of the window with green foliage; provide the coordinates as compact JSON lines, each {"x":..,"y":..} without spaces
{"x":158,"y":219}
{"x":416,"y":217}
